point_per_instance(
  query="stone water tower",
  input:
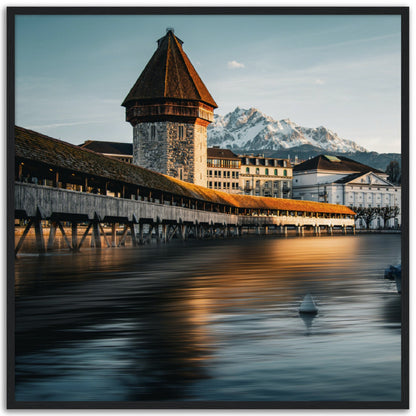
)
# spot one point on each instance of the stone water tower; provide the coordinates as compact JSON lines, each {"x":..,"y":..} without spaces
{"x":170,"y":108}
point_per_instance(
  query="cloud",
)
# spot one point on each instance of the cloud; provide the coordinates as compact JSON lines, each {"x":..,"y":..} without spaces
{"x":319,"y":82}
{"x":235,"y":65}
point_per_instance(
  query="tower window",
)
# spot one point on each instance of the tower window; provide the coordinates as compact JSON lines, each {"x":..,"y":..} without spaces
{"x":153,"y":132}
{"x":180,"y":132}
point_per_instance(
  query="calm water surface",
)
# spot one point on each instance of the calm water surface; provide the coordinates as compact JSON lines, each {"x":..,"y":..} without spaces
{"x":210,"y":320}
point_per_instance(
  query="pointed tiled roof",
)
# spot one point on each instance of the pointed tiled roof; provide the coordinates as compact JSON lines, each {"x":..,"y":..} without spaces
{"x":170,"y":74}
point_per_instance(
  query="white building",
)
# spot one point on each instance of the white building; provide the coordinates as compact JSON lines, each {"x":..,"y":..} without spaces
{"x":339,"y":180}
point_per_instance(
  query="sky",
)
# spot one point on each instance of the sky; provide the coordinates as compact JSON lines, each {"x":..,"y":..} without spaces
{"x":342,"y":72}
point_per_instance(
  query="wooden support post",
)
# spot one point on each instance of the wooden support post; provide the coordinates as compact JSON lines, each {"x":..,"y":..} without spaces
{"x":330,"y":229}
{"x":113,"y":235}
{"x":96,"y":234}
{"x":123,"y":236}
{"x":52,"y":233}
{"x":84,"y":235}
{"x":133,"y":234}
{"x":141,"y":227}
{"x":157,"y":229}
{"x":266,"y":230}
{"x":183,"y":231}
{"x":74,"y":230}
{"x":56,"y":180}
{"x":22,"y":238}
{"x":40,"y":243}
{"x":353,"y":229}
{"x":165,"y":233}
{"x":61,"y":228}
{"x":103,"y":189}
{"x":85,"y":185}
{"x":285,"y":230}
{"x":344,"y":229}
{"x":150,"y":235}
{"x":104,"y":235}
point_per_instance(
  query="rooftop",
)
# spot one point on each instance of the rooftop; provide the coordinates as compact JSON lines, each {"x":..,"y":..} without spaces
{"x":169,"y":75}
{"x":215,"y":152}
{"x":334,"y":163}
{"x":113,"y":148}
{"x":38,"y":148}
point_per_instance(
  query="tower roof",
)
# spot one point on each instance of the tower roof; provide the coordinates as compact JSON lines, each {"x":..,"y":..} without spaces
{"x":169,"y":74}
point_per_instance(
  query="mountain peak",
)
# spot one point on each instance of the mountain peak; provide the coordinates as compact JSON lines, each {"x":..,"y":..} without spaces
{"x":250,"y":130}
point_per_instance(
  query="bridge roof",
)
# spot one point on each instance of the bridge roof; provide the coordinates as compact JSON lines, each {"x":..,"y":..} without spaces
{"x":38,"y":148}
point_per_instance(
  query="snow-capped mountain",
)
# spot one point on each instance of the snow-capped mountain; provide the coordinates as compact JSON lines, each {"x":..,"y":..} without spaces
{"x":251,"y":130}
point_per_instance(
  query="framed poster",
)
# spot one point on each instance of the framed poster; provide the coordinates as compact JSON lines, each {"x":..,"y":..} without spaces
{"x":208,"y":207}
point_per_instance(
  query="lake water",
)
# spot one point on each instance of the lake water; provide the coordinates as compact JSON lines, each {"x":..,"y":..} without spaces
{"x":211,"y":320}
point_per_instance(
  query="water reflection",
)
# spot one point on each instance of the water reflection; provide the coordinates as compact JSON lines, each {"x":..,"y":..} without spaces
{"x":210,"y":321}
{"x":308,"y":320}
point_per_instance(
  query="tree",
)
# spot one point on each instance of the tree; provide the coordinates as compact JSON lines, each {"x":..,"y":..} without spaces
{"x":367,"y":214}
{"x":389,"y":212}
{"x":394,"y":172}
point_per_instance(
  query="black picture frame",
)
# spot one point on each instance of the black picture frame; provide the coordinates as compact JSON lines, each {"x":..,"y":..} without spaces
{"x":12,"y":12}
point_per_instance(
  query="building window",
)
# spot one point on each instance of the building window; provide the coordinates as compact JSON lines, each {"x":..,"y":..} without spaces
{"x":267,"y":171}
{"x":285,"y":172}
{"x":153,"y":132}
{"x":180,"y":132}
{"x":236,"y":175}
{"x":275,"y":172}
{"x":247,"y":170}
{"x":257,"y":171}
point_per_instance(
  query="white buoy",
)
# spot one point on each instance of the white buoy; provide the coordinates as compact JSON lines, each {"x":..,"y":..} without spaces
{"x":308,"y":305}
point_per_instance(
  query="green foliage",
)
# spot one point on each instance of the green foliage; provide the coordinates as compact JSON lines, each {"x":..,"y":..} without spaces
{"x":394,"y":172}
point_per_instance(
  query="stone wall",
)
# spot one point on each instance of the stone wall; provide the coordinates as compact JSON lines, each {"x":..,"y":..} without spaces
{"x":175,"y":149}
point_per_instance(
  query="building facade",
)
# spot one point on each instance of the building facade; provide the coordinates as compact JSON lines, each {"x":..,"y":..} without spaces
{"x":263,"y":176}
{"x":339,"y":180}
{"x":170,"y":108}
{"x":223,"y":170}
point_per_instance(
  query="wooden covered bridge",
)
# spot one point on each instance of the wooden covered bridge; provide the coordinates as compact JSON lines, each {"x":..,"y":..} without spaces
{"x":60,"y":184}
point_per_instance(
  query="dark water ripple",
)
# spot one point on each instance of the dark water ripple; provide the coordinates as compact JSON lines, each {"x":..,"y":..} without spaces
{"x":213,"y":320}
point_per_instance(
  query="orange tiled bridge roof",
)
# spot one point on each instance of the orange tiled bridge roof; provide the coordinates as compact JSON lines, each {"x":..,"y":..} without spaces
{"x":38,"y":148}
